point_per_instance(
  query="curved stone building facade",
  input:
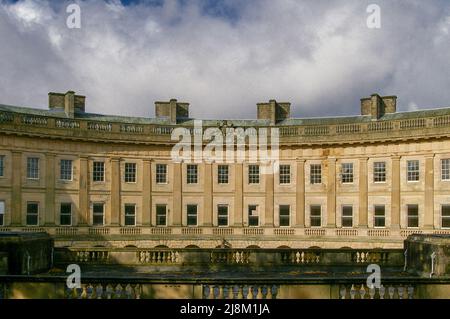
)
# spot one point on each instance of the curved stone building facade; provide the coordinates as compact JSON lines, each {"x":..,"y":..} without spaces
{"x":363,"y":181}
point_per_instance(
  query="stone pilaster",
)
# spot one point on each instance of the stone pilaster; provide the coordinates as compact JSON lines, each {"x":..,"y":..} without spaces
{"x":395,"y":193}
{"x":177,"y":194}
{"x":300,"y":194}
{"x":269,"y":216}
{"x":16,"y":191}
{"x":331,"y":193}
{"x":429,"y":193}
{"x":363,"y":187}
{"x":146,"y":193}
{"x":50,"y":216}
{"x":83,"y":214}
{"x":115,"y":192}
{"x":207,"y":196}
{"x":238,"y":195}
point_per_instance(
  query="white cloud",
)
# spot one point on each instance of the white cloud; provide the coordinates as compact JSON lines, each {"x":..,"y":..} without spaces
{"x":317,"y":55}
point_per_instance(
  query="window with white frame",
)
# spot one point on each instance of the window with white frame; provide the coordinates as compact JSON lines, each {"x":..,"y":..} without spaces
{"x":130,"y":172}
{"x":222,"y":174}
{"x":98,"y":213}
{"x":253,"y":216}
{"x":191,"y":215}
{"x":222,"y":215}
{"x":445,"y":216}
{"x":285,"y":218}
{"x":347,"y":172}
{"x":413,"y":215}
{"x":65,"y":170}
{"x":253,"y":174}
{"x":315,"y":173}
{"x":32,"y":168}
{"x":32,"y":214}
{"x":445,"y":169}
{"x":285,"y":174}
{"x":98,"y":171}
{"x":65,"y":214}
{"x":315,"y":215}
{"x":130,"y":214}
{"x":161,"y":173}
{"x":347,"y":216}
{"x":379,"y":172}
{"x":379,"y":216}
{"x":2,"y":213}
{"x":161,"y":215}
{"x":2,"y":165}
{"x":192,"y":174}
{"x":413,"y":171}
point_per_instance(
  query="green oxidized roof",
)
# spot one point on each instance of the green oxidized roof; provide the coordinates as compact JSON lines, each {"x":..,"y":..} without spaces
{"x":58,"y":113}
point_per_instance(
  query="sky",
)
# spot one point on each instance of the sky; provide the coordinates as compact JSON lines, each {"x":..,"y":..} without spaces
{"x":224,"y":56}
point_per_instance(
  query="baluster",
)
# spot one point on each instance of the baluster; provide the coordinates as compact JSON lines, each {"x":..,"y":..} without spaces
{"x":216,"y":292}
{"x":297,"y":257}
{"x":255,"y":290}
{"x":225,"y":292}
{"x":343,"y":292}
{"x":79,"y":292}
{"x":264,"y":292}
{"x":109,"y":292}
{"x":362,"y":292}
{"x":245,"y":291}
{"x":206,"y":291}
{"x":137,"y":291}
{"x":382,"y":291}
{"x":89,"y":291}
{"x":235,"y":292}
{"x":118,"y":292}
{"x":99,"y":291}
{"x":129,"y":292}
{"x":352,"y":292}
{"x":400,"y":291}
{"x":274,"y":292}
{"x":303,"y":257}
{"x":372,"y":292}
{"x":410,"y":292}
{"x":391,"y":291}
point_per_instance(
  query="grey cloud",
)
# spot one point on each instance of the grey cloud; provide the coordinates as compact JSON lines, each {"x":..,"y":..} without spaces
{"x":319,"y":55}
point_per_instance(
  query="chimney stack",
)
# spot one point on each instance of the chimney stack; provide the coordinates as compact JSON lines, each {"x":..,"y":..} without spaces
{"x":67,"y":102}
{"x":274,"y":111}
{"x":173,"y":110}
{"x":376,"y":105}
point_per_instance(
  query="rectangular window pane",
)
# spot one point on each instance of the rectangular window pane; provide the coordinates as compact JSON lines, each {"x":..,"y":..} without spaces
{"x":130,"y":214}
{"x":413,"y":215}
{"x":32,"y":214}
{"x":130,"y":172}
{"x":379,"y":172}
{"x":413,"y":171}
{"x":161,"y":215}
{"x":222,"y":215}
{"x":380,"y":218}
{"x":253,"y":218}
{"x":66,"y":170}
{"x":98,"y":213}
{"x":222,"y":174}
{"x":445,"y":213}
{"x":445,"y":169}
{"x":33,"y":167}
{"x":98,"y":174}
{"x":253,"y":174}
{"x":192,"y":215}
{"x":65,"y":214}
{"x":2,"y":213}
{"x":347,"y":216}
{"x":161,"y":173}
{"x":2,"y":165}
{"x":316,"y":173}
{"x":285,"y":215}
{"x":347,"y":172}
{"x":192,"y":174}
{"x":315,"y":215}
{"x":285,"y":174}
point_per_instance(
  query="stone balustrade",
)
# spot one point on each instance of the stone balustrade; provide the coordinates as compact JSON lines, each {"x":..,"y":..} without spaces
{"x":308,"y":133}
